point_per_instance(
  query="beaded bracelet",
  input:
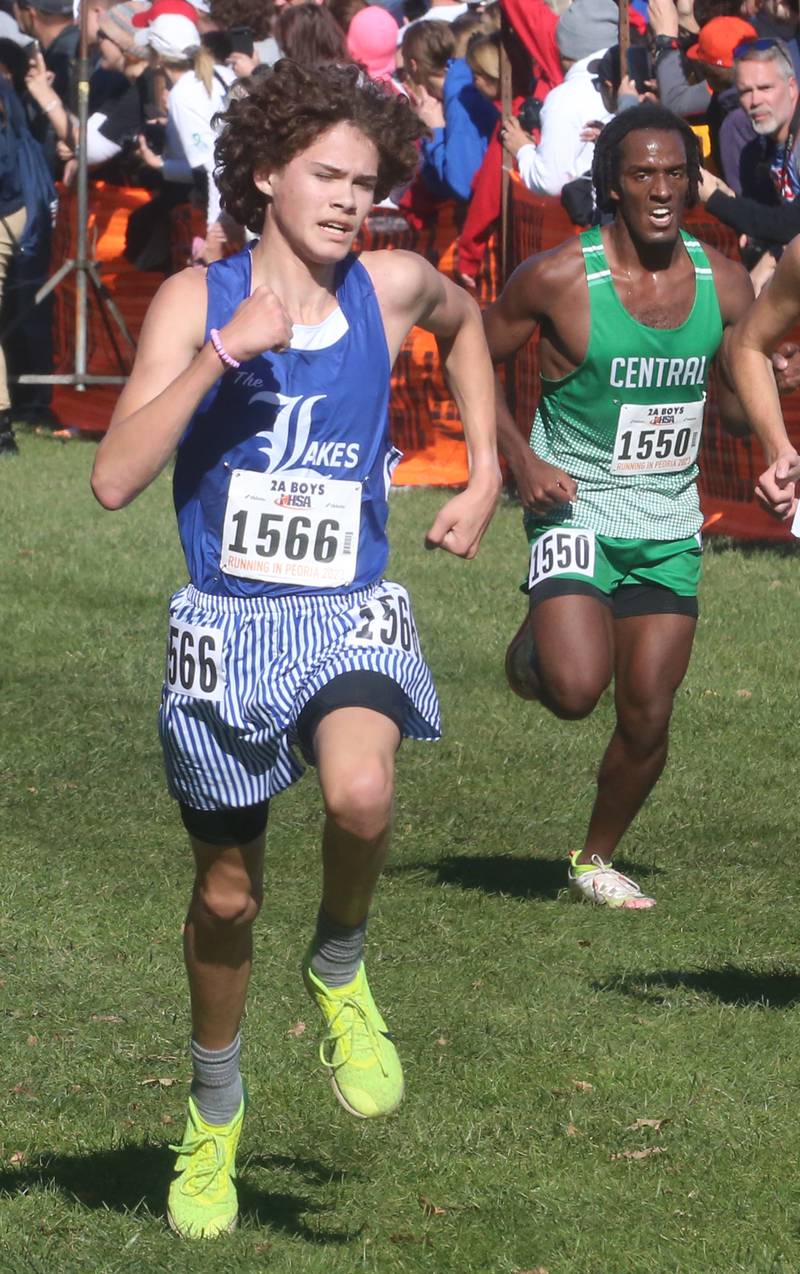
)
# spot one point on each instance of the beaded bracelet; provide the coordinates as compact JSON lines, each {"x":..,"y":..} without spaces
{"x":220,"y":349}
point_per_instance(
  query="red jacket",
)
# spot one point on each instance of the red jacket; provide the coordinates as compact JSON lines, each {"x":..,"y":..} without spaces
{"x":535,"y":24}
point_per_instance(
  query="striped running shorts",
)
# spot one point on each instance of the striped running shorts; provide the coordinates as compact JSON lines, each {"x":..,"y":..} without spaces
{"x":240,"y":671}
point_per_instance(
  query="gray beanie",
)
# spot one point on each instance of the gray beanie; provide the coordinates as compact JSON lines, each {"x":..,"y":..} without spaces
{"x":588,"y":25}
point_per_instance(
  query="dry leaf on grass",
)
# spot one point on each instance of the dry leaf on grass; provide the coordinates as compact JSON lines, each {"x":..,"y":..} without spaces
{"x":442,"y":1041}
{"x":540,"y":1269}
{"x":32,"y":1041}
{"x":646,"y":1123}
{"x":431,"y":1209}
{"x":647,"y":1153}
{"x":107,"y":1017}
{"x":158,"y":1081}
{"x":18,"y":1158}
{"x":296,"y":1030}
{"x":744,"y":694}
{"x":422,"y":1239}
{"x":582,"y":1086}
{"x":572,"y":1131}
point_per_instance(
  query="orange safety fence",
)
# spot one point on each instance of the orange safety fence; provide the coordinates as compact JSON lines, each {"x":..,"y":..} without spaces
{"x":131,"y":289}
{"x":424,"y":417}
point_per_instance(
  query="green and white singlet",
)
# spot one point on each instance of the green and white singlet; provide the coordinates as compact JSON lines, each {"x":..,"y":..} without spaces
{"x":626,"y":423}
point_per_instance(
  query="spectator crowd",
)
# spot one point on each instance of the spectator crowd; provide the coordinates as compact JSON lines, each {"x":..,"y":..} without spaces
{"x":160,"y":72}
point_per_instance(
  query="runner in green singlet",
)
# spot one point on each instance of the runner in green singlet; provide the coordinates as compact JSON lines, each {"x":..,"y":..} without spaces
{"x":631,"y":317}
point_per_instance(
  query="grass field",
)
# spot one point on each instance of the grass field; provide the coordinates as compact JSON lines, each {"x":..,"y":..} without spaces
{"x":536,"y":1035}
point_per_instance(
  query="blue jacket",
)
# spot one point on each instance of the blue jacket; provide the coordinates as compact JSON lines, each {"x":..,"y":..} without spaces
{"x":455,"y":153}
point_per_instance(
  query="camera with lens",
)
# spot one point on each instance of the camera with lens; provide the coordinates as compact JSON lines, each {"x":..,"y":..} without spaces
{"x":530,"y":113}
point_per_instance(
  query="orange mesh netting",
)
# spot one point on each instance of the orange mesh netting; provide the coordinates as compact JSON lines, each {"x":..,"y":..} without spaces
{"x":424,"y":417}
{"x":132,"y":290}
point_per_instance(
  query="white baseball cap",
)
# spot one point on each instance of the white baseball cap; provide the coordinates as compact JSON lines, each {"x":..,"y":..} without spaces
{"x":171,"y":35}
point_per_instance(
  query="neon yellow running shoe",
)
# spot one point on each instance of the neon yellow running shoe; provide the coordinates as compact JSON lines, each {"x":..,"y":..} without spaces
{"x":357,"y":1049}
{"x":202,"y":1201}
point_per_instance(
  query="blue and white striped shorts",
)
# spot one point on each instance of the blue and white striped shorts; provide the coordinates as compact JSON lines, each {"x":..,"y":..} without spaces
{"x":241,"y":670}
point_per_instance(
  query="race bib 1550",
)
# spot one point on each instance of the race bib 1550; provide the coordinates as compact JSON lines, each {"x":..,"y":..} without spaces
{"x":652,"y":439}
{"x":561,"y":552}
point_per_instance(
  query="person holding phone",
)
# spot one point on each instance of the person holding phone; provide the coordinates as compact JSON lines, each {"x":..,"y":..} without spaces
{"x":243,"y":58}
{"x":710,"y":103}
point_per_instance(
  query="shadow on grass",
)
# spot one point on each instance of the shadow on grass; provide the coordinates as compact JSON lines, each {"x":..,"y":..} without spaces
{"x":731,"y":984}
{"x":504,"y":874}
{"x":133,"y":1178}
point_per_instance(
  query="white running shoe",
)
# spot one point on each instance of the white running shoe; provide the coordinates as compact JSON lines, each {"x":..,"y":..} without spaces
{"x":603,"y":885}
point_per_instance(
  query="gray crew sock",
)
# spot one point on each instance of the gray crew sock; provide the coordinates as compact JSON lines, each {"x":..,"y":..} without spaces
{"x":337,"y":950}
{"x":216,"y":1083}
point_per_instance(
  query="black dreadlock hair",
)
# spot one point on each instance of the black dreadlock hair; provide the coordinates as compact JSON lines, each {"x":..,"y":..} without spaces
{"x":651,"y":118}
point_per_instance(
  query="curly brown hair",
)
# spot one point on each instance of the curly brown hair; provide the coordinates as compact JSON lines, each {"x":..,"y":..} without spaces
{"x":280,"y":115}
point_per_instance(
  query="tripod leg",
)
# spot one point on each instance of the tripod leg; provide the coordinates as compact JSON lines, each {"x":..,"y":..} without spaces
{"x":106,"y":301}
{"x":105,"y":304}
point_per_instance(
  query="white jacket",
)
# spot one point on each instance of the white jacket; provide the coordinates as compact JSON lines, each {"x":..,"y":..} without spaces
{"x":561,"y":155}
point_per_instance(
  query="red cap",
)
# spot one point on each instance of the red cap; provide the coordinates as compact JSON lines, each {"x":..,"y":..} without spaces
{"x":717,"y":40}
{"x":181,"y":7}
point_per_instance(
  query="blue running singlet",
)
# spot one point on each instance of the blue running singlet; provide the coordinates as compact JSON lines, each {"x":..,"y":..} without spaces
{"x":281,"y":479}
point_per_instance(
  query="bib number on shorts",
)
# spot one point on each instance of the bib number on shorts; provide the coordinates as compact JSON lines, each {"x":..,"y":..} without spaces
{"x":195,"y":665}
{"x":662,"y":439}
{"x":291,"y":527}
{"x":567,"y":552}
{"x":386,"y":620}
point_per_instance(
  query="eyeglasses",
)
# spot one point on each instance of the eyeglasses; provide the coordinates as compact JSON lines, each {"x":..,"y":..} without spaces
{"x":762,"y":45}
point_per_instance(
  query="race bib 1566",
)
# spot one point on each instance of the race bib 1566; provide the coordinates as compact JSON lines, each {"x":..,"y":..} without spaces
{"x":292,"y":527}
{"x":657,"y":439}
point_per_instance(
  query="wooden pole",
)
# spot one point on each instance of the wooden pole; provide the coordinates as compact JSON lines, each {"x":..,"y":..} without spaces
{"x":624,"y":35}
{"x":505,"y":200}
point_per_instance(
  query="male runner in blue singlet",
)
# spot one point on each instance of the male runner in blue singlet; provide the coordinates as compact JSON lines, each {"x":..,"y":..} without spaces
{"x":270,"y":375}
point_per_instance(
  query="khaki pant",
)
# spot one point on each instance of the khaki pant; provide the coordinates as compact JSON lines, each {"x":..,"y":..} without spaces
{"x":11,"y":229}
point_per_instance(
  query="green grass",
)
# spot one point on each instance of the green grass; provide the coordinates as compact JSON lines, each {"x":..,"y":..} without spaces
{"x":506,"y":999}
